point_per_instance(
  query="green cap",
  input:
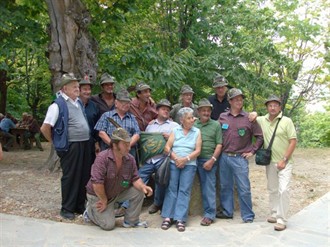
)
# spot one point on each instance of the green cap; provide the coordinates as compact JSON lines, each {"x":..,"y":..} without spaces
{"x":186,"y":89}
{"x":106,"y":78}
{"x":85,"y":81}
{"x":204,"y":102}
{"x":142,"y":86}
{"x":67,"y":78}
{"x":164,"y":102}
{"x":233,"y":92}
{"x":273,"y":98}
{"x":120,"y":134}
{"x":123,"y":95}
{"x":219,"y":81}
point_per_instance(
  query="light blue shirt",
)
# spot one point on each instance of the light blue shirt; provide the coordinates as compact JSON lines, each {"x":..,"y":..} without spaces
{"x":6,"y":124}
{"x":184,"y":145}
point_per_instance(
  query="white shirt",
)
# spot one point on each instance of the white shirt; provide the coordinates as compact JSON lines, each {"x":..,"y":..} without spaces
{"x":53,"y":110}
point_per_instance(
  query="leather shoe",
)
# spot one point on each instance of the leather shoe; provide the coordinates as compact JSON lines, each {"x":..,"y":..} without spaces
{"x":221,"y":215}
{"x":66,"y":214}
{"x":153,"y":209}
{"x":271,"y":219}
{"x":279,"y":227}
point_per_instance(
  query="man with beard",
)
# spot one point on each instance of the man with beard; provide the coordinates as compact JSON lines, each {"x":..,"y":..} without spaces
{"x":114,"y":178}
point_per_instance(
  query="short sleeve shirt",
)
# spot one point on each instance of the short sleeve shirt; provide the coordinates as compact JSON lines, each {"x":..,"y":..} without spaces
{"x":128,"y":122}
{"x":211,"y":136}
{"x":284,"y":133}
{"x":104,"y":171}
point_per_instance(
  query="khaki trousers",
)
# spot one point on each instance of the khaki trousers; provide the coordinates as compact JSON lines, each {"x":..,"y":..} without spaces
{"x":278,"y":188}
{"x":106,"y":219}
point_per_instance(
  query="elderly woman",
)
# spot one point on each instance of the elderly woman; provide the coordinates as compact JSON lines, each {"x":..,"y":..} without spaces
{"x":184,"y":144}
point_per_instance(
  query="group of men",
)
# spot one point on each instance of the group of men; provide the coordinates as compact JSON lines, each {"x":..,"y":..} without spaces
{"x":28,"y":123}
{"x":107,"y":124}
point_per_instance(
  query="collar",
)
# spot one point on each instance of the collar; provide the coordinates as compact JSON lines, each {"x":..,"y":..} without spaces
{"x":280,"y":115}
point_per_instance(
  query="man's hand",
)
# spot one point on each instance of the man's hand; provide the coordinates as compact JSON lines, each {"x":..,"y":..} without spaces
{"x":247,"y":155}
{"x":281,"y":165}
{"x":253,"y":116}
{"x":147,"y":190}
{"x":166,"y":136}
{"x":101,"y":205}
{"x":208,"y":165}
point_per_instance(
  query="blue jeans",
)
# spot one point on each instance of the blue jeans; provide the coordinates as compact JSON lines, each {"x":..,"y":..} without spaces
{"x":145,"y":172}
{"x":235,"y":169}
{"x":177,"y":196}
{"x":208,"y":187}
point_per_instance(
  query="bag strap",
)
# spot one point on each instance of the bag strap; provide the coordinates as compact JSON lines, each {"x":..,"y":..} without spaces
{"x":273,"y":136}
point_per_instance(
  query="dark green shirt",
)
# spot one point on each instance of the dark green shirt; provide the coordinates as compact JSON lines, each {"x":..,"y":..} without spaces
{"x":211,"y":137}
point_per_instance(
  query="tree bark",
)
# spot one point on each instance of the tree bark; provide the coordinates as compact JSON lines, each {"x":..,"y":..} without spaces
{"x":3,"y":91}
{"x":71,"y":48}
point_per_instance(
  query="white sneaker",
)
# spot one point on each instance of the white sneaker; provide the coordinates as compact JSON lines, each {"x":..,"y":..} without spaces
{"x":141,"y":224}
{"x":86,"y":217}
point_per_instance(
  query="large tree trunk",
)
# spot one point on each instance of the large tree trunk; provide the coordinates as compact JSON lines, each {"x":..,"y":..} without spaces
{"x":3,"y":91}
{"x":71,"y":48}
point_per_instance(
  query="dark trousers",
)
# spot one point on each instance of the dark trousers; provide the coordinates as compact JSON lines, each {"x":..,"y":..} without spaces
{"x":76,"y":167}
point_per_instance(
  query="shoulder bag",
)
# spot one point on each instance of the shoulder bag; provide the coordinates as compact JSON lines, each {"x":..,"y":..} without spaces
{"x":264,"y":156}
{"x":162,"y":175}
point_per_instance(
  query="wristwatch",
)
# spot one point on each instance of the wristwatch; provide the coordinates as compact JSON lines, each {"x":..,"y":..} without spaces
{"x":285,"y":159}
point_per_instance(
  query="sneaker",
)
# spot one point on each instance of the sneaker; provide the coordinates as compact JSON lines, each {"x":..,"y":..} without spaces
{"x":5,"y":149}
{"x":248,"y":221}
{"x":141,"y":224}
{"x":206,"y":221}
{"x":271,"y":219}
{"x":86,"y":217}
{"x":120,"y":212}
{"x":279,"y":227}
{"x":153,"y":209}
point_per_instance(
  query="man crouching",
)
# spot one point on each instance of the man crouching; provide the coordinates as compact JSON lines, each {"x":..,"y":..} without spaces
{"x":113,"y":173}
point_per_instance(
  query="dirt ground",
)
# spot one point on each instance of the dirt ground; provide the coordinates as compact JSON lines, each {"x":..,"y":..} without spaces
{"x":29,"y":190}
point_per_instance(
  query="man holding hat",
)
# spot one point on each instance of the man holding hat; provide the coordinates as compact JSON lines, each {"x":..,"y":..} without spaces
{"x":219,"y":99}
{"x":186,"y":98}
{"x":163,"y":125}
{"x":279,"y":171}
{"x":66,"y":126}
{"x":106,"y":99}
{"x":114,"y":178}
{"x":207,"y":161}
{"x":142,"y":107}
{"x":238,"y":133}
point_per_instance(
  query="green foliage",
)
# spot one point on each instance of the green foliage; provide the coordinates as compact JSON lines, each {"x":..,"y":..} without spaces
{"x":314,"y":130}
